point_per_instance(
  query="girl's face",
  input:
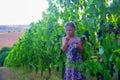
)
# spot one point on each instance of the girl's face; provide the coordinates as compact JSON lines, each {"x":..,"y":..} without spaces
{"x":69,"y":31}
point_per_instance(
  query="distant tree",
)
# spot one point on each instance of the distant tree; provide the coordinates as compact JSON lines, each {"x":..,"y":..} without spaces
{"x":9,"y":31}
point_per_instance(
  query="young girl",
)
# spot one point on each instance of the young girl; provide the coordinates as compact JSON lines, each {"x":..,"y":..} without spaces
{"x":72,"y":45}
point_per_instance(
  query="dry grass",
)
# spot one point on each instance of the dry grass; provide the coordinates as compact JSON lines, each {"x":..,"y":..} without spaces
{"x":8,"y":39}
{"x":22,"y":74}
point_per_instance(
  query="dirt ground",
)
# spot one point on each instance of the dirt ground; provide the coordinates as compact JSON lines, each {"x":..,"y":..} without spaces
{"x":8,"y":39}
{"x":5,"y":74}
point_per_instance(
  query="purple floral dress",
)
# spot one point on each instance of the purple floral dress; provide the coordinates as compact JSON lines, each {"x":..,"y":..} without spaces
{"x":71,"y":73}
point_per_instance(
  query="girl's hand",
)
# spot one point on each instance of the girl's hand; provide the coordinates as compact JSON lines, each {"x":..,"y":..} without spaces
{"x":65,"y":43}
{"x":67,"y":38}
{"x":76,"y":45}
{"x":79,"y":45}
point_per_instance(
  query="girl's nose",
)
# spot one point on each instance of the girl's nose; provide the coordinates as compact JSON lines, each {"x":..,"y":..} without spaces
{"x":69,"y":32}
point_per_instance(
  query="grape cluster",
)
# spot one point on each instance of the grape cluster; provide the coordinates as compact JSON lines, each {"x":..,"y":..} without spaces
{"x":74,"y":53}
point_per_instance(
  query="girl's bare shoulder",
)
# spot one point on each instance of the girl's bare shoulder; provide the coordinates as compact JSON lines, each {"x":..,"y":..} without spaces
{"x":78,"y":38}
{"x":63,"y":38}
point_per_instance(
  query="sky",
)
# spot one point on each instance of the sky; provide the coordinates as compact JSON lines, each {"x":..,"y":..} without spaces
{"x":15,"y":12}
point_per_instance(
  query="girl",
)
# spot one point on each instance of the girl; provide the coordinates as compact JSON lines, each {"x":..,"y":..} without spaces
{"x":73,"y":47}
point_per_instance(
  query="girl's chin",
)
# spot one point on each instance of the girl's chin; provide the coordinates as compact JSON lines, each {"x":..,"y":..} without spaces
{"x":71,"y":35}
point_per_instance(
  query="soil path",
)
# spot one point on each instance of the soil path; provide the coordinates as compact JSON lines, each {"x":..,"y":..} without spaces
{"x":5,"y":74}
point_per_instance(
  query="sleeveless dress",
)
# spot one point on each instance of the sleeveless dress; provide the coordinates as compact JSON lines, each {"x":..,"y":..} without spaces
{"x":72,"y":73}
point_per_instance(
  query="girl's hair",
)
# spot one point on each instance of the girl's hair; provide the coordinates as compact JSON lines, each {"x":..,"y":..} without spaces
{"x":71,"y":24}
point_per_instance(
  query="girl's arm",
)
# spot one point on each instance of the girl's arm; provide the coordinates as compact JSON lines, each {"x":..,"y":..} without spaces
{"x":64,"y":43}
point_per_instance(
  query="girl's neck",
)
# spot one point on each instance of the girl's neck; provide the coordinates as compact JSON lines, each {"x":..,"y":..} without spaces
{"x":72,"y":38}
